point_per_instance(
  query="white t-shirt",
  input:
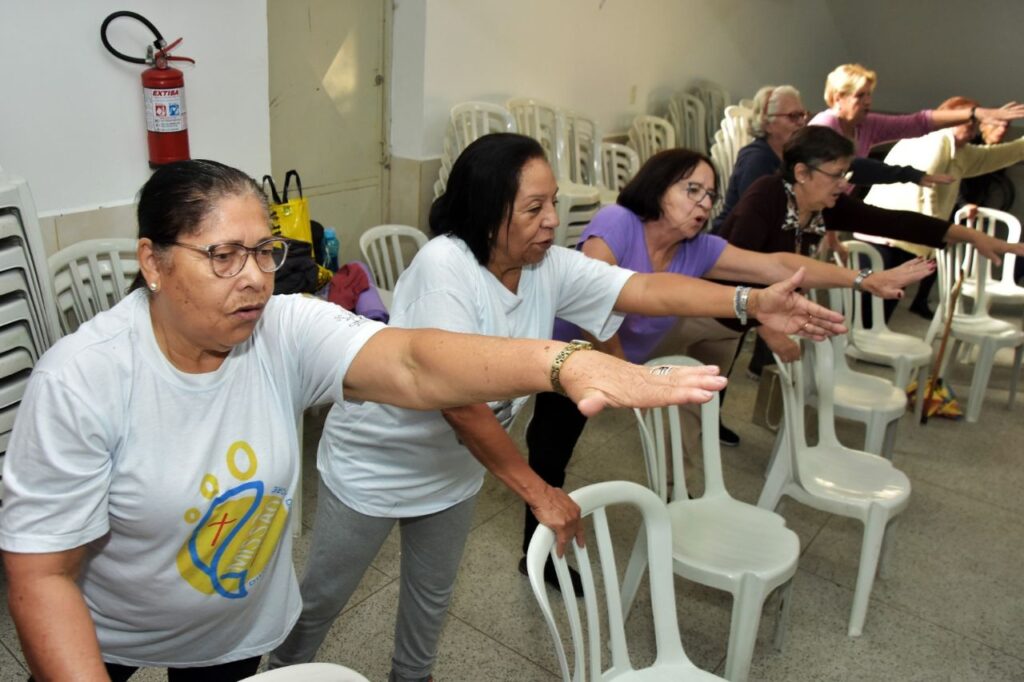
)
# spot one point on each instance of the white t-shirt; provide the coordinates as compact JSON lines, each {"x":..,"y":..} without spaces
{"x":391,"y":462}
{"x":180,"y":484}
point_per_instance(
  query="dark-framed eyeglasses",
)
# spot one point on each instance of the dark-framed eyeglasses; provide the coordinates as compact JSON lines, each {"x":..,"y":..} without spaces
{"x":228,"y":259}
{"x":793,"y":116}
{"x":844,"y":176}
{"x":696,"y":192}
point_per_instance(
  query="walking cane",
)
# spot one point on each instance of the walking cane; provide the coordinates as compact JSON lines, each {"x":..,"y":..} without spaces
{"x":933,"y":378}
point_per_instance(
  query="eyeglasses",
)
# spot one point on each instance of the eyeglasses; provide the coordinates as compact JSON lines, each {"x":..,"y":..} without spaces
{"x":793,"y":116}
{"x":844,"y":176}
{"x":227,"y":260}
{"x":696,"y":192}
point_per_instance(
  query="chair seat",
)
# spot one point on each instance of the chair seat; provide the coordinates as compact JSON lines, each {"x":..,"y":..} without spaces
{"x":852,"y":478}
{"x":978,"y":328}
{"x":882,"y":345}
{"x":579,"y":194}
{"x":997,"y":292}
{"x":719,"y":540}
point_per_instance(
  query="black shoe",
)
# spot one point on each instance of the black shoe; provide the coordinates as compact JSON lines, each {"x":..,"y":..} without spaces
{"x":551,"y":578}
{"x":727,"y":436}
{"x":922,"y":309}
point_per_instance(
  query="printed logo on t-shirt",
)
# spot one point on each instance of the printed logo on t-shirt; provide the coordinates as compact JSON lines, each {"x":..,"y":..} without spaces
{"x":234,"y":539}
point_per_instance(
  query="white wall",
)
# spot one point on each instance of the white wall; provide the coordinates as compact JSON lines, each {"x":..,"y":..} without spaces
{"x":609,"y":58}
{"x":71,"y":118}
{"x":927,"y":51}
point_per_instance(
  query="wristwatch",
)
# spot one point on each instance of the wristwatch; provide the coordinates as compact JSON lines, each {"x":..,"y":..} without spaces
{"x":858,"y":281}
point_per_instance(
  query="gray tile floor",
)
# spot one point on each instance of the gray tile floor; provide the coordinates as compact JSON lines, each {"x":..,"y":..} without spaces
{"x":951,"y":607}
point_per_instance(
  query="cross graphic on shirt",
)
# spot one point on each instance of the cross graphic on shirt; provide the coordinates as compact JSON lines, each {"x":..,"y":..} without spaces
{"x":224,"y":520}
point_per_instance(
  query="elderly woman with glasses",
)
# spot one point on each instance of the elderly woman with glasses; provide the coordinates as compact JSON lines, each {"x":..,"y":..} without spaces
{"x":492,"y":267}
{"x":792,"y":210}
{"x":849,"y":92}
{"x":153,"y":465}
{"x":657,"y":226}
{"x":778,"y":113}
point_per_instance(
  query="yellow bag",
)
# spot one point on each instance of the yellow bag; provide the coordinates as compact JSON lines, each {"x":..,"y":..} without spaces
{"x":289,"y":217}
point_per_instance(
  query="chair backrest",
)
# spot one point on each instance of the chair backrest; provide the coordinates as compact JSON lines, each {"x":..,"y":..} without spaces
{"x":715,"y":99}
{"x":794,"y":379}
{"x":589,"y":642}
{"x":861,"y":255}
{"x":91,"y":276}
{"x":472,"y":120}
{"x":543,"y":122}
{"x":658,"y":449}
{"x":583,"y":149}
{"x":686,"y":112}
{"x":1001,"y":225}
{"x":388,"y":250}
{"x":619,"y":164}
{"x":309,"y":672}
{"x":651,"y":134}
{"x":956,"y":260}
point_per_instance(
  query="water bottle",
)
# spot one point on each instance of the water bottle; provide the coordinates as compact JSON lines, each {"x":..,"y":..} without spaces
{"x":330,"y":249}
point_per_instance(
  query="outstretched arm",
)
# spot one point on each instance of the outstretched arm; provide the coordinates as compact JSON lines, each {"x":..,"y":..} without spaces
{"x":429,"y":369}
{"x":751,"y":266}
{"x":56,"y":632}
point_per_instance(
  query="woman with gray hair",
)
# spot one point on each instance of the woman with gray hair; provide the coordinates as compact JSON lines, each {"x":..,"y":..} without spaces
{"x":778,"y":113}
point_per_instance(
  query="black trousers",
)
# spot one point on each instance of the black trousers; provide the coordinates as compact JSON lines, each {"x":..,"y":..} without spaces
{"x":225,"y":672}
{"x":550,"y":438}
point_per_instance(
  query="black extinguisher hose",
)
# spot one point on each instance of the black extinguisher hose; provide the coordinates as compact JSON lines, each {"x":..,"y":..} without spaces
{"x":157,"y":44}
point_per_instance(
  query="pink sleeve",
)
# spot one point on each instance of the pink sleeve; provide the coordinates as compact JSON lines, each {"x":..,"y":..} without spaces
{"x":880,"y":128}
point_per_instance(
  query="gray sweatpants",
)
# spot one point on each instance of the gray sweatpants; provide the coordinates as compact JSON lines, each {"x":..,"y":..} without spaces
{"x":344,"y":543}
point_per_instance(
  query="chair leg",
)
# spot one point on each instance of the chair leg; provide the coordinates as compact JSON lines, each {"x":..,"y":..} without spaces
{"x":889,"y":444}
{"x":782,"y":617}
{"x":922,"y":377}
{"x":1018,"y":354}
{"x":634,"y":572}
{"x":874,"y":434}
{"x":871,"y":548}
{"x":982,"y":371}
{"x":746,"y":617}
{"x":779,"y":474}
{"x":883,"y":558}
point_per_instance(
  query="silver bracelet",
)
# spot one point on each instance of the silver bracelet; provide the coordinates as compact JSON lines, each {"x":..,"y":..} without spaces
{"x":739,"y":303}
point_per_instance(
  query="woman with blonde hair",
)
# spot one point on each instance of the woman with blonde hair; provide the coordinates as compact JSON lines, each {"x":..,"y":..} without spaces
{"x":849,"y":91}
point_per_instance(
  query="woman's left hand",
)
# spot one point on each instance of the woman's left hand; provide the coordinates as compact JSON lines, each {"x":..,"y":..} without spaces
{"x":595,"y":381}
{"x":783,"y":309}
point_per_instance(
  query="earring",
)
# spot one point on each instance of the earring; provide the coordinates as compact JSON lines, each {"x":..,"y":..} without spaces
{"x":153,"y":286}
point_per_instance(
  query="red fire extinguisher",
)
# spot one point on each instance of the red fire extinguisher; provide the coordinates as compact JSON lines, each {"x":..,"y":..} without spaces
{"x":163,"y":89}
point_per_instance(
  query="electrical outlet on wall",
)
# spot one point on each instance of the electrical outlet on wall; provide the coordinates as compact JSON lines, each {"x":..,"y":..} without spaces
{"x":632,"y":95}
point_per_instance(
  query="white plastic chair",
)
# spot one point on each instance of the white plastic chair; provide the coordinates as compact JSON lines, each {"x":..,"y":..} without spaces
{"x":309,"y":672}
{"x":1003,"y":225}
{"x":878,"y":344}
{"x":649,"y":135}
{"x":589,"y":643}
{"x":619,"y":164}
{"x":384,"y":250}
{"x":834,"y":478}
{"x":715,"y":99}
{"x":91,"y":276}
{"x":686,"y":113}
{"x":577,"y":203}
{"x":975,"y":328}
{"x":865,"y":398}
{"x":472,"y":120}
{"x":583,"y":154}
{"x":716,"y":540}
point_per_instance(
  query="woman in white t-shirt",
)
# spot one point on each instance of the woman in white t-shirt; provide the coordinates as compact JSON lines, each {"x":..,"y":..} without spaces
{"x":493,"y":269}
{"x":153,"y":464}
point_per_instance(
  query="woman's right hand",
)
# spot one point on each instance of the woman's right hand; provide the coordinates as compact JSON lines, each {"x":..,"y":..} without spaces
{"x":1010,"y":111}
{"x":890,"y":283}
{"x":781,"y":344}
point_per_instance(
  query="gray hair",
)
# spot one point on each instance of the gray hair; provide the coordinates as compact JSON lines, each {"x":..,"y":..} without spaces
{"x":766,"y":103}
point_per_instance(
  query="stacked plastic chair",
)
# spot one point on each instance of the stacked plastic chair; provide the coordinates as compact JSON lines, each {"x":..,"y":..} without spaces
{"x":686,"y":113}
{"x":715,"y":99}
{"x":28,"y":322}
{"x":577,"y":203}
{"x":651,"y":134}
{"x":733,"y":134}
{"x":619,"y":163}
{"x":91,"y":276}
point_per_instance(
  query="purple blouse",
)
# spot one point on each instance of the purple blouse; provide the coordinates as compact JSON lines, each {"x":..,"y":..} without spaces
{"x":623,"y":232}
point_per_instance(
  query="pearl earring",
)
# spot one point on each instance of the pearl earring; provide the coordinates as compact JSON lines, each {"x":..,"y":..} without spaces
{"x":153,"y":287}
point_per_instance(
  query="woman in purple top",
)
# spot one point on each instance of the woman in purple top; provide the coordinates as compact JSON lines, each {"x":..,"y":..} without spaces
{"x":848,"y":93}
{"x":657,"y":227}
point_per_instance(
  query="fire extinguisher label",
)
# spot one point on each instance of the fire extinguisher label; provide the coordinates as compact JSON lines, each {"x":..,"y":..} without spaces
{"x":165,"y":109}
